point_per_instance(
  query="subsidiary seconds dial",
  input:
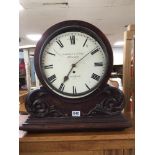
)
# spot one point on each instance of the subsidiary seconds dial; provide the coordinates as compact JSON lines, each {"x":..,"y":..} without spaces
{"x":73,"y":64}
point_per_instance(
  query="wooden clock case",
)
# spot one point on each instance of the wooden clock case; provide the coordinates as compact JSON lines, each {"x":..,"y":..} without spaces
{"x":102,"y":109}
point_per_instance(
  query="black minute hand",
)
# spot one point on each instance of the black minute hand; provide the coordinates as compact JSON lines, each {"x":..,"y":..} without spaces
{"x":83,"y":57}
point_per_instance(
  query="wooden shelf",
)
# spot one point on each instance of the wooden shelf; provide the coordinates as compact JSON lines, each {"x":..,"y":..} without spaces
{"x":83,"y":143}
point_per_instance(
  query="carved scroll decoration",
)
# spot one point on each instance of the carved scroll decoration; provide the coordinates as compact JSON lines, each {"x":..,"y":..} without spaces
{"x":112,"y":103}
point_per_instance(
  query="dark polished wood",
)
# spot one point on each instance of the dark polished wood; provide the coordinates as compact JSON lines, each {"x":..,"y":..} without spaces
{"x":75,"y":124}
{"x":102,"y":111}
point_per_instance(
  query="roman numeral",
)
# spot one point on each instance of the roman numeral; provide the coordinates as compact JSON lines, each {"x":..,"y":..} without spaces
{"x":94,"y":51}
{"x":98,"y":63}
{"x":52,"y":78}
{"x":72,"y":39}
{"x":87,"y":86}
{"x":95,"y":77}
{"x":48,"y":66}
{"x":74,"y":90}
{"x":85,"y":42}
{"x":51,"y":53}
{"x":60,"y":43}
{"x":62,"y":86}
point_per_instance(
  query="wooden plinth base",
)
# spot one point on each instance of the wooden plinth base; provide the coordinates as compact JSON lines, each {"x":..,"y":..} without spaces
{"x":75,"y":123}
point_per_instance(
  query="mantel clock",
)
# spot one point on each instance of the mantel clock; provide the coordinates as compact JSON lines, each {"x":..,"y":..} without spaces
{"x":73,"y":61}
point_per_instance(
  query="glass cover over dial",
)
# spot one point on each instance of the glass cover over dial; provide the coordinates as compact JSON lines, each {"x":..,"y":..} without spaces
{"x":73,"y":64}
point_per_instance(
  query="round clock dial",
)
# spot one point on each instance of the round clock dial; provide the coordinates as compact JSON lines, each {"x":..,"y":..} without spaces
{"x":73,"y":64}
{"x":73,"y":61}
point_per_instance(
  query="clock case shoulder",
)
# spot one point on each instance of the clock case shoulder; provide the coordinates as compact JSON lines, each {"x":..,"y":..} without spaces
{"x":48,"y":113}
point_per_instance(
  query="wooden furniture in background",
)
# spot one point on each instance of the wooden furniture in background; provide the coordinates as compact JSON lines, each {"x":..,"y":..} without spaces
{"x":28,"y":53}
{"x":117,"y":71}
{"x":22,"y":95}
{"x":77,"y":143}
{"x":128,"y":67}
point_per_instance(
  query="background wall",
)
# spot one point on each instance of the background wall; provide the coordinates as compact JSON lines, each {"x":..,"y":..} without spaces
{"x":118,"y":55}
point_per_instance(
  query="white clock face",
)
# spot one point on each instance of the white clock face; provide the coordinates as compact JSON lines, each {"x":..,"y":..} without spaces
{"x":73,"y":64}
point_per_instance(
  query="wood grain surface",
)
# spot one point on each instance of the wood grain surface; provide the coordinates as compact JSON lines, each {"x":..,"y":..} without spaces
{"x":77,"y":143}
